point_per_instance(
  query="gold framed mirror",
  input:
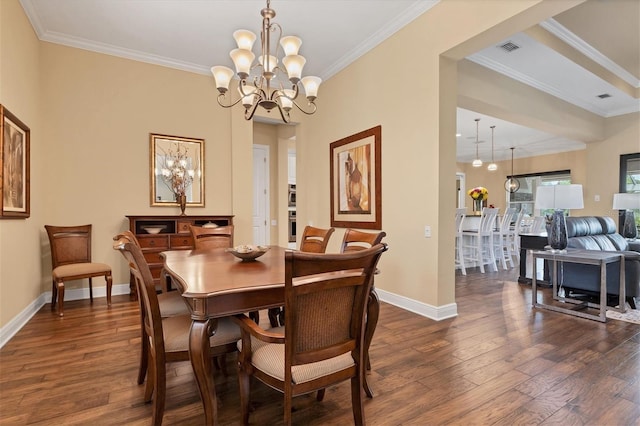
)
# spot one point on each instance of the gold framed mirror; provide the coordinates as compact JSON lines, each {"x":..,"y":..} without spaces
{"x":176,"y":166}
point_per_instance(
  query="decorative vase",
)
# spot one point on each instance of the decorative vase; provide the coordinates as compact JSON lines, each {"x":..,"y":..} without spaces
{"x":629,"y":229}
{"x":477,"y":206}
{"x":182,"y":200}
{"x":557,"y":231}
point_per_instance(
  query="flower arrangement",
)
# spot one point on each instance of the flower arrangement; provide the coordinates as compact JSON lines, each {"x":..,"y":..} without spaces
{"x":478,"y":193}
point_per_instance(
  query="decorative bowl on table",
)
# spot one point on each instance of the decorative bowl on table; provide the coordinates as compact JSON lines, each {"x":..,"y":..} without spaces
{"x":154,"y":229}
{"x":248,"y":252}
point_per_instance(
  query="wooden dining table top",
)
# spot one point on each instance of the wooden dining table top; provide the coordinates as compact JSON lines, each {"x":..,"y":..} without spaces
{"x":224,"y":284}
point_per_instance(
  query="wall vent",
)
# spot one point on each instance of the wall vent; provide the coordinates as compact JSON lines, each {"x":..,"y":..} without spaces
{"x":509,"y":46}
{"x":604,"y":96}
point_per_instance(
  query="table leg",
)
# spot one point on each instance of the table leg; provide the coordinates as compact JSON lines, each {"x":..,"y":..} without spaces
{"x":201,"y":362}
{"x":373,"y":312}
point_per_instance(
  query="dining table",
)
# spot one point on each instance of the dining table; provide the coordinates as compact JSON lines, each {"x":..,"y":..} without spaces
{"x":215,"y":284}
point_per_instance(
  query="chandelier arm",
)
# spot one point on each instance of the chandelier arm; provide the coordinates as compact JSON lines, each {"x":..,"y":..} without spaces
{"x":222,"y":96}
{"x":284,"y":114}
{"x":313,"y":104}
{"x":249,"y":112}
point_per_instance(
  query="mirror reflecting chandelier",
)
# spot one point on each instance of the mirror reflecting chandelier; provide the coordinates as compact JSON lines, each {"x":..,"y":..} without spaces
{"x":267,"y":89}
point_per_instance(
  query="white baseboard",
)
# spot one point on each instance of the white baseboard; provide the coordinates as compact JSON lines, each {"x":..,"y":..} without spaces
{"x":437,"y":313}
{"x":12,"y":327}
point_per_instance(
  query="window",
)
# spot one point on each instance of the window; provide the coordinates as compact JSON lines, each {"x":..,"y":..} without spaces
{"x":629,"y":182}
{"x":524,"y":198}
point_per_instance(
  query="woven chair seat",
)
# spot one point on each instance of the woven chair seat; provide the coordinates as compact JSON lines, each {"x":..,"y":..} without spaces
{"x":269,"y":358}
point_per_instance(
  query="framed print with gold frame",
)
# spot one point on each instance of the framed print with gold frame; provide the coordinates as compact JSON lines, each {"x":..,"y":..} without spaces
{"x":176,"y":165}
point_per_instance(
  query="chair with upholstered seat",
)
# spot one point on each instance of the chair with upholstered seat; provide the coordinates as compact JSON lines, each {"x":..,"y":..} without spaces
{"x":314,"y":240}
{"x":171,"y":304}
{"x":71,"y":260}
{"x":355,"y":241}
{"x":323,"y":342}
{"x":168,"y":338}
{"x":214,"y":237}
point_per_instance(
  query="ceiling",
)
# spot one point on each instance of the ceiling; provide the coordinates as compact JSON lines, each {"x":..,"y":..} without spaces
{"x":193,"y":35}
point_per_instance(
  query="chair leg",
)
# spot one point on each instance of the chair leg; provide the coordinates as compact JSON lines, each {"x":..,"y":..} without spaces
{"x":144,"y":360}
{"x":160,"y":385}
{"x":109,"y":287}
{"x":91,"y":290}
{"x":356,"y":400}
{"x":54,"y":294}
{"x":273,"y":316}
{"x":320,"y":395}
{"x":288,"y":405}
{"x":245,"y":388}
{"x":60,"y":286}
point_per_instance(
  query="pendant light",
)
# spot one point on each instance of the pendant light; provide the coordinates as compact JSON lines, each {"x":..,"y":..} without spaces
{"x":477,"y":162}
{"x":493,"y":166}
{"x":512,"y":184}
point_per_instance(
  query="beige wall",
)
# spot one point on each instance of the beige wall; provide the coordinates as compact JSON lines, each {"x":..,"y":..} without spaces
{"x":21,"y":276}
{"x":91,"y":116}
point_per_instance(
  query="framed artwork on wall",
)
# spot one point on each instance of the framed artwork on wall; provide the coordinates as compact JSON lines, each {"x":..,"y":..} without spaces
{"x":14,"y":167}
{"x":356,"y":180}
{"x":176,"y":168}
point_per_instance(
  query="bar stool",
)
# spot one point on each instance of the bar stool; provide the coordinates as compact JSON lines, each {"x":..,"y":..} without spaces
{"x":479,"y":248}
{"x":459,"y":257}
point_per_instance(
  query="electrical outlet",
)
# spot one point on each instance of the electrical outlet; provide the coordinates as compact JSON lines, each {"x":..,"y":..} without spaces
{"x":427,"y":231}
{"x":596,"y":198}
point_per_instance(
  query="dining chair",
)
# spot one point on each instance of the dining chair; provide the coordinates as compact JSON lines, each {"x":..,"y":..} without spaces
{"x":168,"y":338}
{"x":479,"y":248}
{"x":205,"y":237}
{"x":71,"y":260}
{"x":501,"y":238}
{"x":459,"y":256}
{"x":313,"y":240}
{"x":170,"y":303}
{"x":355,"y":241}
{"x":323,"y":341}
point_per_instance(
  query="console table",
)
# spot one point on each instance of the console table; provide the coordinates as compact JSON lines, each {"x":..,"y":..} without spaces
{"x":528,"y":242}
{"x":161,"y":233}
{"x":585,"y":257}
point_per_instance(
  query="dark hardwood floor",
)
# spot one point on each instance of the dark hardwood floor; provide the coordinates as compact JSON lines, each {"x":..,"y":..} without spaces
{"x":498,"y":363}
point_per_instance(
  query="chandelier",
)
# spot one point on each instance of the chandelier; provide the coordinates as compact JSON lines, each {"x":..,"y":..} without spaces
{"x":477,"y":162}
{"x":493,"y":166}
{"x":512,"y":184}
{"x":269,"y":89}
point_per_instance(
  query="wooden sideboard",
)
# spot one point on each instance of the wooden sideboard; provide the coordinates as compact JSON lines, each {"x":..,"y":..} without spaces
{"x":172,"y":234}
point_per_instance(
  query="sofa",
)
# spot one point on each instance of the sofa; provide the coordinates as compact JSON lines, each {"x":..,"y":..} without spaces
{"x":599,"y":233}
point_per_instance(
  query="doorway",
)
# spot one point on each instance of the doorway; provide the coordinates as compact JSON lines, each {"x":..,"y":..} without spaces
{"x":261,"y":195}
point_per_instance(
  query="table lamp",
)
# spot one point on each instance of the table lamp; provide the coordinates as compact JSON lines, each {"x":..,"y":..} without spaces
{"x":628,"y":202}
{"x":559,"y":198}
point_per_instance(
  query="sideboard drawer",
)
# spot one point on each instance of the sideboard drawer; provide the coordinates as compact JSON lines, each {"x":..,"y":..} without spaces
{"x":183,"y":227}
{"x":181,"y":242}
{"x":155,"y":242}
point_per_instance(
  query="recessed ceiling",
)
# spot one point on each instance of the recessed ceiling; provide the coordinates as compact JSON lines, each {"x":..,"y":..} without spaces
{"x":194,"y":35}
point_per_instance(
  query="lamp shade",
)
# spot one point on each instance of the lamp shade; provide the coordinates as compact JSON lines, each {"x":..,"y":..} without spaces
{"x":559,"y":197}
{"x":626,"y":201}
